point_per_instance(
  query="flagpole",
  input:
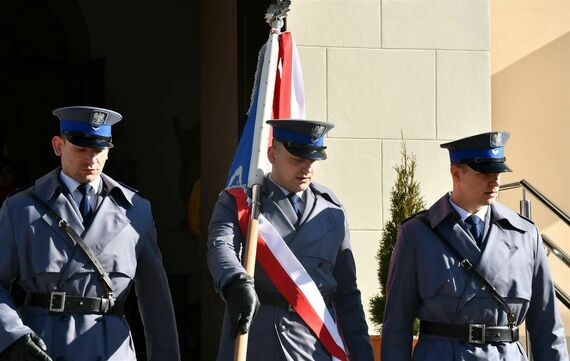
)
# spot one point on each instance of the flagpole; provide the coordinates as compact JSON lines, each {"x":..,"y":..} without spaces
{"x":274,"y":16}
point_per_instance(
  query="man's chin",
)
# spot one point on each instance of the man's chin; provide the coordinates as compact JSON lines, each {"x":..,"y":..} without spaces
{"x":304,"y":186}
{"x":90,"y":177}
{"x":488,"y":201}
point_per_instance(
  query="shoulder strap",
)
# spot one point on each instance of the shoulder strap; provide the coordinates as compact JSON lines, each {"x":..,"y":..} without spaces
{"x":468,"y":266}
{"x":66,"y":228}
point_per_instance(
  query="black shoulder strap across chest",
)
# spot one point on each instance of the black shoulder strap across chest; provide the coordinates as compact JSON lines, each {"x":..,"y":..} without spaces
{"x":468,"y":266}
{"x":66,"y":228}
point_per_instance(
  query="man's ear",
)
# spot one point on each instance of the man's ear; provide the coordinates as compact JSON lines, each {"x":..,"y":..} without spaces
{"x":271,"y":153}
{"x":57,"y":143}
{"x":456,"y":172}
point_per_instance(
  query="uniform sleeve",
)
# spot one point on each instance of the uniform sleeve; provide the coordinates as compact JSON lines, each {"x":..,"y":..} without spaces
{"x":225,"y":241}
{"x":155,"y":303}
{"x":543,"y":317}
{"x":11,"y":326}
{"x":401,"y":302}
{"x":348,"y":304}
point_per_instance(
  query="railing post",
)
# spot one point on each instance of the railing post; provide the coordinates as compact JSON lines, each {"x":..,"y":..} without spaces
{"x":526,"y":211}
{"x":525,"y":205}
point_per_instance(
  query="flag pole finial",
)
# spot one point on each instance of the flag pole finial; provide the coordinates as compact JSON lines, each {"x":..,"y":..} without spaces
{"x":276,"y":12}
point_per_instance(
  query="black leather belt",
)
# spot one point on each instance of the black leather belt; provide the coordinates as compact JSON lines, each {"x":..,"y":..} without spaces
{"x":472,"y":333}
{"x":277,"y":299}
{"x":60,"y":302}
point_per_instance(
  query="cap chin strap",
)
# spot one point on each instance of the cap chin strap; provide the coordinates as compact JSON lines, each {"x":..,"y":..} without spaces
{"x":305,"y":147}
{"x":87,"y":135}
{"x":482,"y":160}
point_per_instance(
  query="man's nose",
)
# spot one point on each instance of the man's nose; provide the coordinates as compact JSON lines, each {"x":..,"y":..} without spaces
{"x":307,"y":165}
{"x":91,"y":155}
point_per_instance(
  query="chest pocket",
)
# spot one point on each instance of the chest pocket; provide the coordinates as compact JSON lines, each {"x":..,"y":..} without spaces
{"x":439,"y":274}
{"x":49,"y":250}
{"x":321,"y":236}
{"x":43,"y":250}
{"x":514,"y":280}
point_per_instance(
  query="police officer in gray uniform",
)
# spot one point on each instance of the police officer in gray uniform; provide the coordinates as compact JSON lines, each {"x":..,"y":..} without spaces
{"x":314,"y":226}
{"x":77,"y":241}
{"x":472,"y":271}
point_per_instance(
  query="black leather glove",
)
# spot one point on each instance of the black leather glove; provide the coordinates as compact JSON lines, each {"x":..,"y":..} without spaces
{"x":242,"y":302}
{"x":29,"y":347}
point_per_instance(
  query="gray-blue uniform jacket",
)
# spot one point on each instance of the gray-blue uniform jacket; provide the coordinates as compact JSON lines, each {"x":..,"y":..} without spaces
{"x":321,"y":243}
{"x":37,"y":254}
{"x":426,"y":281}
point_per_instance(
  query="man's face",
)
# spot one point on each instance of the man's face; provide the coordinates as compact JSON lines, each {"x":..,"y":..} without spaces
{"x":473,"y":190}
{"x":289,"y":171}
{"x":80,"y":163}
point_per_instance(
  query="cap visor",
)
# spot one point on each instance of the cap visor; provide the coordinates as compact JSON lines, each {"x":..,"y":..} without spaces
{"x":307,"y":154}
{"x":490,"y":167}
{"x":89,"y":142}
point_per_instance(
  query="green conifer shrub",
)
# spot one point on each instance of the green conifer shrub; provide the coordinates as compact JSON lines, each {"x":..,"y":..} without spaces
{"x":405,"y":200}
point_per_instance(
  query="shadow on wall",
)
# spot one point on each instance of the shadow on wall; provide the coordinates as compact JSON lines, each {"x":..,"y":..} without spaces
{"x":531,"y":98}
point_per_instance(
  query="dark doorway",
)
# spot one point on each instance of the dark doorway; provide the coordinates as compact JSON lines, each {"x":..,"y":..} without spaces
{"x":253,"y":32}
{"x":140,"y":59}
{"x":229,"y":60}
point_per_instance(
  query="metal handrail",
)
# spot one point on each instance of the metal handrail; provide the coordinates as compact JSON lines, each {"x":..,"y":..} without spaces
{"x":550,"y":245}
{"x":554,"y":248}
{"x":562,"y":296}
{"x":541,"y":197}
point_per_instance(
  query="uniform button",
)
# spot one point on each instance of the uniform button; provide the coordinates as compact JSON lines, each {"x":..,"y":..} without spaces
{"x":64,"y":318}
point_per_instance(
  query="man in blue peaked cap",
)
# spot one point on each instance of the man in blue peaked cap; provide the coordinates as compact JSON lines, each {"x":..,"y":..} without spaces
{"x":77,"y":242}
{"x":313,"y":224}
{"x":472,"y":271}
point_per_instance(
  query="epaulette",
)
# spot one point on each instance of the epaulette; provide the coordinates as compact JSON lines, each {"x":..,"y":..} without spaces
{"x":132,"y":189}
{"x":19,"y":189}
{"x":414,"y":215}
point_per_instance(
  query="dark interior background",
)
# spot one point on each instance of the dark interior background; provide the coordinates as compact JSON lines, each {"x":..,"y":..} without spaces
{"x":142,"y":59}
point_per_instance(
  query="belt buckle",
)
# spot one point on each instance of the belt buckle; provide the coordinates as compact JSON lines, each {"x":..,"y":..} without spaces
{"x":476,"y":333}
{"x":57,"y":301}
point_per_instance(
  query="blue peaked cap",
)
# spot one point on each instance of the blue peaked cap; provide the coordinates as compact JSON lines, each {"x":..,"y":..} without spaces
{"x":484,"y":152}
{"x":302,"y":138}
{"x":86,"y":126}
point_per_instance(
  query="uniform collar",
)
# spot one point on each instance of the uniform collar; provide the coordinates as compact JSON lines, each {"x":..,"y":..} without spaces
{"x":463,"y":214}
{"x":72,"y":184}
{"x":285,"y":191}
{"x":46,"y":186}
{"x":115,"y":187}
{"x":499,"y":213}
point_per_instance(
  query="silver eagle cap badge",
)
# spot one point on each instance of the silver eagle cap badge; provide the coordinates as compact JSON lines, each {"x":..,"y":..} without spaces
{"x":98,"y":118}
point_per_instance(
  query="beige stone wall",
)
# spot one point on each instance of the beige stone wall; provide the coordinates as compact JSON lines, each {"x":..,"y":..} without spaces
{"x":531,"y":98}
{"x":382,"y":68}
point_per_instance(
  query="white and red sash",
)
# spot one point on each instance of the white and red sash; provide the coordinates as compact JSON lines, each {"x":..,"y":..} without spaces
{"x":291,"y":278}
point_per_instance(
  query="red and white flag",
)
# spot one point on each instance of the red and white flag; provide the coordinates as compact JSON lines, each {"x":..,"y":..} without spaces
{"x":282,"y":87}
